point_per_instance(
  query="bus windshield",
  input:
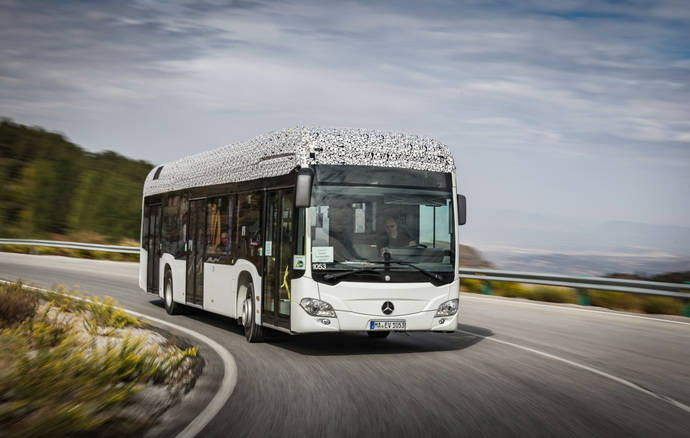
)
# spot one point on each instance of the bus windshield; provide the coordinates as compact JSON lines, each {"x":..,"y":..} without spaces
{"x":359,"y":213}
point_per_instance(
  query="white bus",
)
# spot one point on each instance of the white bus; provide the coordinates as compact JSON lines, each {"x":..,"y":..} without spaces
{"x":308,"y":230}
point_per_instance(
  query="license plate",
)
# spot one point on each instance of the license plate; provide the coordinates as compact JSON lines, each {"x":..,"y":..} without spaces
{"x":398,"y":324}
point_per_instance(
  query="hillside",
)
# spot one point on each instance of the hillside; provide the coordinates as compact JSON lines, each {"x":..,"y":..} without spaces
{"x":50,"y":186}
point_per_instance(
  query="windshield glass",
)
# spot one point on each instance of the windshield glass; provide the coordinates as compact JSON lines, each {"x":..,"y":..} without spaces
{"x":359,"y":213}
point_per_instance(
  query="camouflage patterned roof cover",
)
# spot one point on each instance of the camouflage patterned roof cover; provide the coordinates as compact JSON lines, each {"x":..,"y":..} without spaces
{"x":280,"y":152}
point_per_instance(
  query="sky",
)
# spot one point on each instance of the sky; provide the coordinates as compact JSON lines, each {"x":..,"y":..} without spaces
{"x":568,"y":120}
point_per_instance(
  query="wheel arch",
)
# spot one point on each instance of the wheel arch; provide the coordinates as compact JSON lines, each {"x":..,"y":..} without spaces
{"x":245,"y":277}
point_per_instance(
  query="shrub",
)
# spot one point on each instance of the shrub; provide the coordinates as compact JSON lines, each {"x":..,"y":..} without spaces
{"x":669,"y":306}
{"x":470,"y":285}
{"x":16,"y":304}
{"x":66,"y":252}
{"x":107,"y":314}
{"x":615,"y":300}
{"x":554,"y":294}
{"x":171,"y":364}
{"x":54,"y":383}
{"x":62,"y":390}
{"x":66,"y":300}
{"x":512,"y":290}
{"x":43,"y":331}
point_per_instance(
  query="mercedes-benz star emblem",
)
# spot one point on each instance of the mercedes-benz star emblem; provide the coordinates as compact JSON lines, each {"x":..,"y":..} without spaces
{"x":387,"y":307}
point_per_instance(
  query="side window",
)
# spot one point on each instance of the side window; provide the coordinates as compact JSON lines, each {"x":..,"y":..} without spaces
{"x":182,"y":220}
{"x":171,"y":225}
{"x":249,"y":239}
{"x":219,"y":236}
{"x":435,"y":225}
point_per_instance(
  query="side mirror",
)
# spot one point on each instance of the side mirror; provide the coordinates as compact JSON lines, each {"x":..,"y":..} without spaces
{"x":462,"y":209}
{"x":305,"y":177}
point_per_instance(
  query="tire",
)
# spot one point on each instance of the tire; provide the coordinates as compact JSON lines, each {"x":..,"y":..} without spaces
{"x":252,"y":331}
{"x":171,"y":306}
{"x":378,"y":335}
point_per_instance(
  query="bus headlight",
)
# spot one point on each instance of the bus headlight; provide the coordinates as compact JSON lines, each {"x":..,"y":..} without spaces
{"x":449,"y":308}
{"x":316,"y":307}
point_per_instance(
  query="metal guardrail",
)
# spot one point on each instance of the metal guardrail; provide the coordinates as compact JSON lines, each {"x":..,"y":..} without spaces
{"x":581,"y":284}
{"x":675,"y":290}
{"x":71,"y":245}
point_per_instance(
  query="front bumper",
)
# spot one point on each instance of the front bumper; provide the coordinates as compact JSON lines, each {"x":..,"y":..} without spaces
{"x":302,"y":322}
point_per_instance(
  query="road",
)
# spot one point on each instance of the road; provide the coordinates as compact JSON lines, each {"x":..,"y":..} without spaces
{"x":516,"y":368}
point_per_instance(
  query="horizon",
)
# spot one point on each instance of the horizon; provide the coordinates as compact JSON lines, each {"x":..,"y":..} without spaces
{"x":562,"y":116}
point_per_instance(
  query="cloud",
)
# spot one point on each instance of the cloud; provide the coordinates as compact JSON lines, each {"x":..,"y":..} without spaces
{"x":522,"y":92}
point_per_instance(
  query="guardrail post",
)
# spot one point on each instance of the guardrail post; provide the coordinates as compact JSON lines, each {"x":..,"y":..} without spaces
{"x":487,"y":288}
{"x":583,"y":297}
{"x":686,"y":308}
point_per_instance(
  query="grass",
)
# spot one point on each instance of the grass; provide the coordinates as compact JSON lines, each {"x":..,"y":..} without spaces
{"x":71,"y":367}
{"x":611,"y":300}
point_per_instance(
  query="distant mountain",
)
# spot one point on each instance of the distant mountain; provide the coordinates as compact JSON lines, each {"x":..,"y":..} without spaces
{"x":670,"y":277}
{"x":504,"y":229}
{"x":587,"y":264}
{"x":49,"y":185}
{"x":472,"y":258}
{"x":545,"y":242}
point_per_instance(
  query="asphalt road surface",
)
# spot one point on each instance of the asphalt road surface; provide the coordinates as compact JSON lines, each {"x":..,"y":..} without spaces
{"x":516,"y":368}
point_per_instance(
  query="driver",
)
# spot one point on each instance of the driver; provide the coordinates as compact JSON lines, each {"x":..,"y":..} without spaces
{"x":395,"y":237}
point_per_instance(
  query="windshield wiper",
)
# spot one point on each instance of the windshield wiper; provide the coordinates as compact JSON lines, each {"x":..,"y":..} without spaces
{"x":346,"y":273}
{"x":412,"y":265}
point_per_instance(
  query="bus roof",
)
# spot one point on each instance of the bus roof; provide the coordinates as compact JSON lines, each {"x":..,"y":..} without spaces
{"x":280,"y":152}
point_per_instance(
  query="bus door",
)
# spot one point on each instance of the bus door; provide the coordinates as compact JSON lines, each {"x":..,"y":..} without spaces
{"x":278,"y":252}
{"x":153,"y":248}
{"x":196,"y":250}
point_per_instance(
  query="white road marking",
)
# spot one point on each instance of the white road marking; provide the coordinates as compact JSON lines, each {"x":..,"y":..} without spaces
{"x":470,"y":296}
{"x":604,"y":374}
{"x":227,"y":386}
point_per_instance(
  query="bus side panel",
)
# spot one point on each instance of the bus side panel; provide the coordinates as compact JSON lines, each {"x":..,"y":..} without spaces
{"x":179,"y":277}
{"x":220,"y":288}
{"x":143,"y":267}
{"x":242,"y":265}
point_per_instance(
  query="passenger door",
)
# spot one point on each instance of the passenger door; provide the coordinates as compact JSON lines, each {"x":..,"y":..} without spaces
{"x":278,"y":252}
{"x":153,"y":248}
{"x":196,"y":251}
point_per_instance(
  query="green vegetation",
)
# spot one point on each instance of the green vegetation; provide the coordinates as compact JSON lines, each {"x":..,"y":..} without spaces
{"x":611,"y":300}
{"x":72,"y":367}
{"x":50,"y":187}
{"x":66,"y":252}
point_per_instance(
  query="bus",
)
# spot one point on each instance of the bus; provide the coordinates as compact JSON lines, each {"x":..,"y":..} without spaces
{"x":308,"y":230}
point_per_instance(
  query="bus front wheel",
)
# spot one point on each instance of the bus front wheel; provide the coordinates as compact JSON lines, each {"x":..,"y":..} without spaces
{"x":171,"y":306}
{"x":252,"y":331}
